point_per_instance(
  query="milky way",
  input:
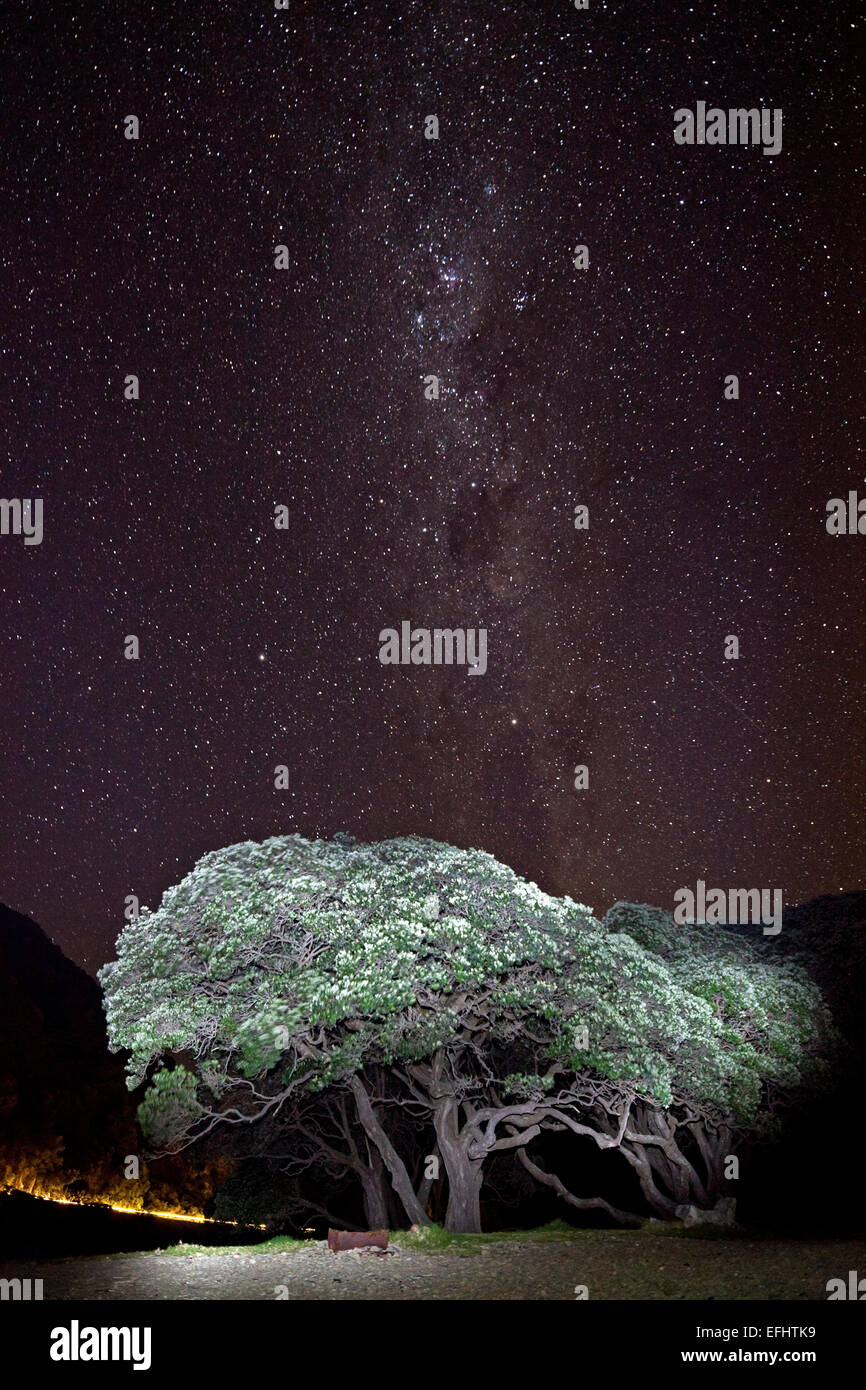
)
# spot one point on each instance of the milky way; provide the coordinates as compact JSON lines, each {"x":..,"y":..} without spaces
{"x":603,"y":387}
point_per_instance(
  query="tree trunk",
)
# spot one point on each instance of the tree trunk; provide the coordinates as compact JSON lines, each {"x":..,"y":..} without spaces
{"x":396,"y":1167}
{"x":464,"y":1196}
{"x":659,"y":1201}
{"x":375,"y":1197}
{"x":673,"y":1177}
{"x":465,"y":1174}
{"x":713,"y":1149}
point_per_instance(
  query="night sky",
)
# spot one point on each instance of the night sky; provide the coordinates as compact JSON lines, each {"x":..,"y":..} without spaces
{"x":304,"y":388}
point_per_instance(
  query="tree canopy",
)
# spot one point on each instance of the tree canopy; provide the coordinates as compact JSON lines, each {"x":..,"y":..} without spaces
{"x":413,"y":973}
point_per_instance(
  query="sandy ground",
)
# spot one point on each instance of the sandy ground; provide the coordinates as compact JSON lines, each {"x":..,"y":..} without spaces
{"x":611,"y":1264}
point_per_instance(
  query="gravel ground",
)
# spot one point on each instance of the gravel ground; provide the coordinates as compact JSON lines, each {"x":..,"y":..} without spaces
{"x":612,"y":1264}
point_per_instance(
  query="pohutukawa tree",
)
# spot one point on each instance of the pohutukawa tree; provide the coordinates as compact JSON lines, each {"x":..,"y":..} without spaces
{"x":416,"y":975}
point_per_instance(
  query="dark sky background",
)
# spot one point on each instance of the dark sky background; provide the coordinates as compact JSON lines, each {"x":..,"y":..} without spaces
{"x":305,"y":387}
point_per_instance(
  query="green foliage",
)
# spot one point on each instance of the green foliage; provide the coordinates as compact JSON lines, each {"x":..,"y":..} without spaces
{"x":775,"y":1025}
{"x":277,"y":1245}
{"x":169,"y":1107}
{"x":304,"y":961}
{"x":435,"y":1240}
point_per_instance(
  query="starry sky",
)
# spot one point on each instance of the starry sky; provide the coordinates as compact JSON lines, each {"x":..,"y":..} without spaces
{"x":305,"y":388}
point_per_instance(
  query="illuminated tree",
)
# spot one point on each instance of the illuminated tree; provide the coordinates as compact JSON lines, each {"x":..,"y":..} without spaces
{"x":415,"y":975}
